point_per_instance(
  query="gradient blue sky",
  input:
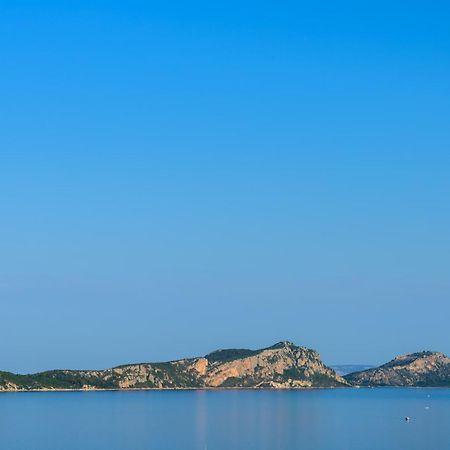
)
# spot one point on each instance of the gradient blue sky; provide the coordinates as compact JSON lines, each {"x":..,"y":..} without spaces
{"x":181,"y":176}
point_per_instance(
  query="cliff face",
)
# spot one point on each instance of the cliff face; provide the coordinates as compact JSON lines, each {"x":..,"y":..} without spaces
{"x":283,"y":365}
{"x":416,"y":369}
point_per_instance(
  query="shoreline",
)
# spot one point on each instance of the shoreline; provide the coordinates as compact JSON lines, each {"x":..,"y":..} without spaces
{"x":179,"y":389}
{"x":22,"y":391}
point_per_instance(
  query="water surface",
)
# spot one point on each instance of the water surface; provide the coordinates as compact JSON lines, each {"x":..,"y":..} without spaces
{"x":339,"y":419}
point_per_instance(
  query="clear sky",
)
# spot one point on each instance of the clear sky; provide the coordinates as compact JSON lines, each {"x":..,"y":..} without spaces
{"x":177,"y":177}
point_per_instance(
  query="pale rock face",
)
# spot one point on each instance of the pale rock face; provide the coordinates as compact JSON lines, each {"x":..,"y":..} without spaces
{"x":133,"y":375}
{"x":9,"y":387}
{"x":201,"y":366}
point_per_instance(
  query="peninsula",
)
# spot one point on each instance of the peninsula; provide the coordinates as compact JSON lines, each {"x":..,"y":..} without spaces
{"x":283,"y":365}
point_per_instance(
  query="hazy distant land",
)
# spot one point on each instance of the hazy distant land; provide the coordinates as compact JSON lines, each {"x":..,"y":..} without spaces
{"x":345,"y":369}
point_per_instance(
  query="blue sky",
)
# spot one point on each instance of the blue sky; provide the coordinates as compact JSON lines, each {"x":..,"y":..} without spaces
{"x":177,"y":177}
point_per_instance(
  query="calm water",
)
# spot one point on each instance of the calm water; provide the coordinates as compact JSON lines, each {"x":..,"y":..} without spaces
{"x":345,"y":419}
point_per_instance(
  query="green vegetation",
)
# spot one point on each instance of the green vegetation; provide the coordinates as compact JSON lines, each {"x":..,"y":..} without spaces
{"x":230,"y":355}
{"x":56,"y":379}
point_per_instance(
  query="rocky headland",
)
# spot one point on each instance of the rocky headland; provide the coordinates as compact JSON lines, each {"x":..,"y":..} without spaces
{"x":283,"y":365}
{"x":423,"y":369}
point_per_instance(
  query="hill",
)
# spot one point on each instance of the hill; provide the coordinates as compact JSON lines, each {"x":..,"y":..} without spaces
{"x":283,"y":365}
{"x":423,"y":369}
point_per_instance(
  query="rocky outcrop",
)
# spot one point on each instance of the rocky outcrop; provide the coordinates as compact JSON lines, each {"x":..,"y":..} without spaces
{"x":284,"y":365}
{"x":417,"y":369}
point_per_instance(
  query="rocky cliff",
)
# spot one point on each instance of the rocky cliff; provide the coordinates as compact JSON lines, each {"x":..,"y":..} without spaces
{"x":284,"y":365}
{"x":417,"y":369}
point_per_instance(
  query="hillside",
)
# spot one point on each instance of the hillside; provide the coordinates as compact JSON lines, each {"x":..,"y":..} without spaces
{"x":283,"y":365}
{"x":416,"y":369}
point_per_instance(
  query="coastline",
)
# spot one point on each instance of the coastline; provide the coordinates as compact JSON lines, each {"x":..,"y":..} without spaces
{"x":303,"y":388}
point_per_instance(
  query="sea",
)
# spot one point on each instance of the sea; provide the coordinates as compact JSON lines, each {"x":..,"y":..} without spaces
{"x":322,"y":419}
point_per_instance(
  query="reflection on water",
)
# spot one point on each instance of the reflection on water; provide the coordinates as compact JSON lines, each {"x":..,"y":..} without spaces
{"x":341,"y":419}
